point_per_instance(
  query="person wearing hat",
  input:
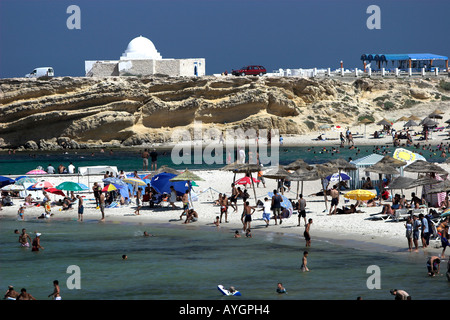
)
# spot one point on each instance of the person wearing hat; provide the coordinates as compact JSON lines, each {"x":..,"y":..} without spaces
{"x":36,"y":245}
{"x":11,"y":294}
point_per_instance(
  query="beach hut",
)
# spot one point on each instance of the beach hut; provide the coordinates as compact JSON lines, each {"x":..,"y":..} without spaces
{"x":362,"y":164}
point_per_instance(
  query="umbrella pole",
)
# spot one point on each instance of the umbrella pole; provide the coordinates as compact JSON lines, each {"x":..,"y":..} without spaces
{"x":324,"y":193}
{"x":254,"y":191}
{"x":298,"y":182}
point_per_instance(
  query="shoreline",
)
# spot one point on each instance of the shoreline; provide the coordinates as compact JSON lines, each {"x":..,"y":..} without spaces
{"x":349,"y":229}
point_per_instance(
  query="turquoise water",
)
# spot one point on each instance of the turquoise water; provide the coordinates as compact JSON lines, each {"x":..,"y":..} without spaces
{"x":129,"y":160}
{"x":187,"y":262}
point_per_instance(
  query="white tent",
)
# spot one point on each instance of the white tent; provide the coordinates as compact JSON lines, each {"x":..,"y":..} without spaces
{"x":97,"y":170}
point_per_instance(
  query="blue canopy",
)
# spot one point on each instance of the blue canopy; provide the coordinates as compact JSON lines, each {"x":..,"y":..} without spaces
{"x":161,"y":183}
{"x":402,"y":56}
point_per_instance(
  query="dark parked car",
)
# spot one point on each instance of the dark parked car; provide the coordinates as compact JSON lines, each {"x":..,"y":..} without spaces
{"x":250,"y":70}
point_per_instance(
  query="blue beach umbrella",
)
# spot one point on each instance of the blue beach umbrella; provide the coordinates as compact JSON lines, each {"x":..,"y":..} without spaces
{"x":335,"y":177}
{"x":285,"y":203}
{"x":4,"y":181}
{"x":161,"y":183}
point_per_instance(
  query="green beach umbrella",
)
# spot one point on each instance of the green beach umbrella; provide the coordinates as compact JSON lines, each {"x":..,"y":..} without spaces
{"x":26,"y":180}
{"x":69,"y":186}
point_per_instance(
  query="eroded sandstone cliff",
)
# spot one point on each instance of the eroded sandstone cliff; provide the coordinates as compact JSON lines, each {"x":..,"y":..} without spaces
{"x":124,"y":111}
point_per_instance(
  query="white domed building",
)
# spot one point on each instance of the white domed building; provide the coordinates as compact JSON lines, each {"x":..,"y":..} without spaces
{"x":141,"y":58}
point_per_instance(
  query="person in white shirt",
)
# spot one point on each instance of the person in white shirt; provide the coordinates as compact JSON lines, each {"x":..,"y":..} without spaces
{"x":267,"y":210}
{"x":71,"y":168}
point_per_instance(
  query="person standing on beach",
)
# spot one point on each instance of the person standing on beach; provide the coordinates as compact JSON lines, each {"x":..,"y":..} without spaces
{"x":409,"y":232}
{"x":306,"y":233}
{"x":301,"y":209}
{"x":266,"y":211}
{"x":80,"y":207}
{"x":233,"y":198}
{"x":138,"y":200}
{"x":154,"y":156}
{"x":23,"y":239}
{"x":416,"y":233}
{"x":96,"y":189}
{"x":247,"y":215}
{"x":185,"y":200}
{"x":424,"y":230}
{"x":102,"y":205}
{"x":173,"y":197}
{"x":276,"y":206}
{"x":224,"y":207}
{"x":334,"y":200}
{"x":145,"y":156}
{"x":56,"y":292}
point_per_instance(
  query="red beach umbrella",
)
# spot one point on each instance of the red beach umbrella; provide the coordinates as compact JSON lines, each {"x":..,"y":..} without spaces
{"x":55,"y":191}
{"x":246,"y":180}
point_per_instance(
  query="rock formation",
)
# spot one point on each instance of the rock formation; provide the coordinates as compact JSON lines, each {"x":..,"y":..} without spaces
{"x":126,"y":111}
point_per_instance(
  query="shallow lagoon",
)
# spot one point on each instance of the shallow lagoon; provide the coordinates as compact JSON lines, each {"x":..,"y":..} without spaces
{"x":184,"y":262}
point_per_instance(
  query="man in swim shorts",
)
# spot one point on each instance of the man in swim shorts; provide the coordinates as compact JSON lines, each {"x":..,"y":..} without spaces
{"x":185,"y":200}
{"x":80,"y":207}
{"x":306,"y":233}
{"x":224,"y":207}
{"x":334,"y":200}
{"x":433,"y":265}
{"x":23,"y":239}
{"x":56,"y":292}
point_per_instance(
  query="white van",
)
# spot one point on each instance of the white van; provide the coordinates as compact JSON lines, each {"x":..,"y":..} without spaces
{"x":41,"y":72}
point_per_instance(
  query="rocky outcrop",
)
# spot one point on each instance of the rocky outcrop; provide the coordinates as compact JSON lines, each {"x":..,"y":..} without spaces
{"x":72,"y":113}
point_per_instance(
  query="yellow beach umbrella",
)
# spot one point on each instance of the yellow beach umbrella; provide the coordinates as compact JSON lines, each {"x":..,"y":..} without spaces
{"x":404,"y":155}
{"x":359,"y":194}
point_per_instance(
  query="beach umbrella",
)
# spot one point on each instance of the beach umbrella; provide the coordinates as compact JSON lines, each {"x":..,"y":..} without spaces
{"x":365,"y":121}
{"x":445,"y":213}
{"x":404,"y":118}
{"x":36,"y":171}
{"x":83,"y":186}
{"x":5,"y":181}
{"x":248,"y":168}
{"x":298,"y":164}
{"x":422,"y":166}
{"x":410,"y":123}
{"x":114,"y":180}
{"x":413,"y":117}
{"x":188,"y":176}
{"x":21,"y":181}
{"x":303,"y":175}
{"x":55,"y":191}
{"x":382,"y":168}
{"x":385,"y":122}
{"x":442,"y":186}
{"x":162,"y":169}
{"x":360,"y":194}
{"x":134,"y":181}
{"x":161,"y":183}
{"x":41,"y":185}
{"x":434,"y":115}
{"x":13,"y":187}
{"x":277,"y":174}
{"x":246,"y":180}
{"x":285,"y":203}
{"x":338,"y":177}
{"x":69,"y":186}
{"x":109,"y":187}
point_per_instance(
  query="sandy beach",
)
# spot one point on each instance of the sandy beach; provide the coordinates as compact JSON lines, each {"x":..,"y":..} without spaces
{"x":378,"y":234}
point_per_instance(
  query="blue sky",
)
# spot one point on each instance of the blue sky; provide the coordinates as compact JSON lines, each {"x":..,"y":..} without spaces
{"x":227,"y":33}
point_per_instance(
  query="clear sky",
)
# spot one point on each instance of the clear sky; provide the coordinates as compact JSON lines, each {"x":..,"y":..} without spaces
{"x":227,"y":33}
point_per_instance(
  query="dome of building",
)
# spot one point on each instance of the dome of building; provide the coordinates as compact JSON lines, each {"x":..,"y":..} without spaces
{"x":141,"y":48}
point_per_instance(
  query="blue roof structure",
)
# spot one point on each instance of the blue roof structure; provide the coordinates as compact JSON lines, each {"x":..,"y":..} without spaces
{"x":398,"y":57}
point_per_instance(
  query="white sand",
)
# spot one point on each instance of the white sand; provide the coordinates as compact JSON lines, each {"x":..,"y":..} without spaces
{"x":337,"y":227}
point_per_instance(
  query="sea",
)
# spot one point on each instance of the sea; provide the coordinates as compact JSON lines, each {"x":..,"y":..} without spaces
{"x":188,"y":262}
{"x":130,"y":159}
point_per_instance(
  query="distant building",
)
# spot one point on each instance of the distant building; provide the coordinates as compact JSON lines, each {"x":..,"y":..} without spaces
{"x":415,"y":61}
{"x":142,"y":59}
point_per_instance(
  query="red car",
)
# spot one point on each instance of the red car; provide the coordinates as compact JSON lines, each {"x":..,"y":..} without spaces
{"x":250,"y":71}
